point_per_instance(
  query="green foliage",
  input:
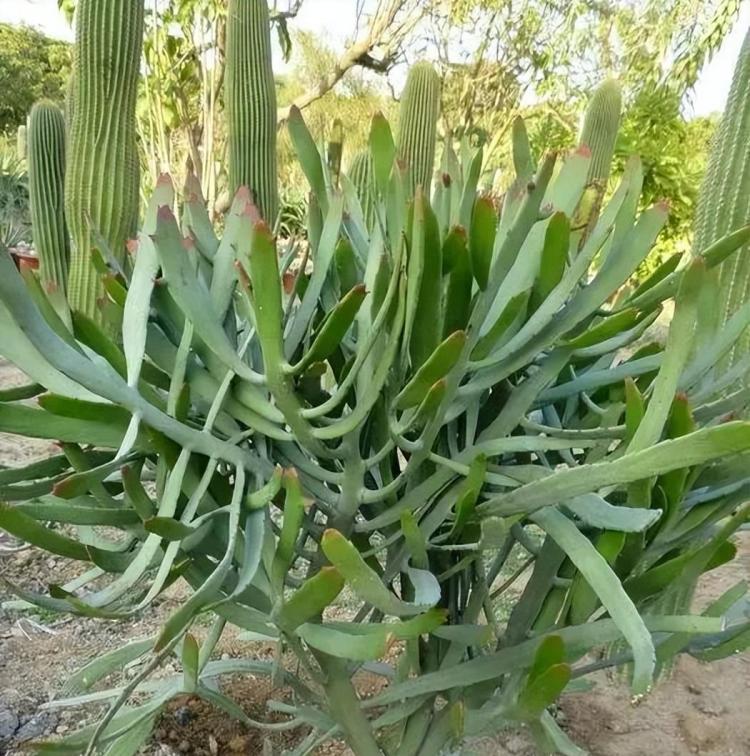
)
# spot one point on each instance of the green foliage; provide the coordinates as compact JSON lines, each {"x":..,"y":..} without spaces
{"x":724,"y":202}
{"x":251,"y":105}
{"x":14,"y":196}
{"x":396,"y":412}
{"x":674,"y":152}
{"x":32,"y":67}
{"x":414,"y":464}
{"x":46,"y":159}
{"x":101,"y":181}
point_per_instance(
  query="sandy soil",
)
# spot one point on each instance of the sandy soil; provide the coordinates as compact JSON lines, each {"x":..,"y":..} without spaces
{"x":700,"y":709}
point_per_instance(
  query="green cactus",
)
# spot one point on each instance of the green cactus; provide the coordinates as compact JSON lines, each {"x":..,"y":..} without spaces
{"x":724,"y":198}
{"x":362,"y":176}
{"x":600,"y":125}
{"x":599,"y":134}
{"x":420,"y":109}
{"x":46,"y":161}
{"x":101,"y":186}
{"x":251,"y":104}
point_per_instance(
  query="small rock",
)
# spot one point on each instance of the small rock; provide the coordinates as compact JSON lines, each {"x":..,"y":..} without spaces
{"x":8,"y":723}
{"x":515,"y":744}
{"x":238,"y":745}
{"x":225,"y":656}
{"x":213,"y":745}
{"x":184,"y":746}
{"x":183,"y":716}
{"x":60,"y":729}
{"x":51,"y":563}
{"x":40,"y":724}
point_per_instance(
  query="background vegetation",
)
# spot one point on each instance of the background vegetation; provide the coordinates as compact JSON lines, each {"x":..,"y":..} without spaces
{"x":536,"y":58}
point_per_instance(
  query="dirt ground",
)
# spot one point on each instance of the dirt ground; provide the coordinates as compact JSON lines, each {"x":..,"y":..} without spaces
{"x":700,"y":709}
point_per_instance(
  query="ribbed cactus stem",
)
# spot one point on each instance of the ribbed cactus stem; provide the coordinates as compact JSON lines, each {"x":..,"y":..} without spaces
{"x":598,"y":135}
{"x":600,"y":125}
{"x":251,"y":105}
{"x":101,"y":187}
{"x":362,"y":176}
{"x":420,"y":109}
{"x":46,"y":164}
{"x":724,"y":199}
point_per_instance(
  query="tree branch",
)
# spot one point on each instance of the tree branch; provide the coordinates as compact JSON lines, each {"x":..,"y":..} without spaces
{"x":377,"y":49}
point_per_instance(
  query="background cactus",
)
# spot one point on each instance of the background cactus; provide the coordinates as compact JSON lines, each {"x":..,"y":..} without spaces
{"x":46,"y":162}
{"x":420,"y":109}
{"x":251,"y":105}
{"x":724,"y":199}
{"x":599,"y":131}
{"x":362,"y":175}
{"x":101,"y":187}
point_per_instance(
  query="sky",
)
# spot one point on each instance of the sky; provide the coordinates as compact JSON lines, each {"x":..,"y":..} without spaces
{"x":334,"y":19}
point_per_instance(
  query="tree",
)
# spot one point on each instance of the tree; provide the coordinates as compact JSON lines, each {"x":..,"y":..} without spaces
{"x":32,"y":67}
{"x":543,"y":52}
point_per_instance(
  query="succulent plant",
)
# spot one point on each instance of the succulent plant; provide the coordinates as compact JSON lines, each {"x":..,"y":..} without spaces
{"x":251,"y":105}
{"x":46,"y":164}
{"x":724,"y":202}
{"x":361,"y":174}
{"x":275,"y":437}
{"x":101,"y":183}
{"x":417,"y":135}
{"x":600,"y":126}
{"x":601,"y":123}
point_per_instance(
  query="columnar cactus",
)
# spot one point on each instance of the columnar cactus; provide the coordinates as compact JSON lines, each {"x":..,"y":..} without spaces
{"x":420,"y":109}
{"x":46,"y":162}
{"x":101,"y":186}
{"x":599,"y":134}
{"x":600,"y":125}
{"x":251,"y":104}
{"x":724,"y":199}
{"x":361,"y":174}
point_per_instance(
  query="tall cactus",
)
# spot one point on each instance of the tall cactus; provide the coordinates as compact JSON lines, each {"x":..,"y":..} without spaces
{"x":420,"y":109}
{"x":101,"y":186}
{"x":724,"y":199}
{"x":599,"y":133}
{"x":362,"y":176}
{"x":600,"y":125}
{"x":46,"y":162}
{"x":251,"y":104}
